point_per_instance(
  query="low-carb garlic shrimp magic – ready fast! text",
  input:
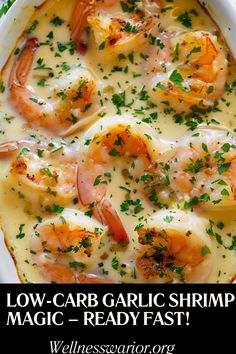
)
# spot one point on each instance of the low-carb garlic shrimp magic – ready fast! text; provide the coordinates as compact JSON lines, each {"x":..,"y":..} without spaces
{"x":117,"y":145}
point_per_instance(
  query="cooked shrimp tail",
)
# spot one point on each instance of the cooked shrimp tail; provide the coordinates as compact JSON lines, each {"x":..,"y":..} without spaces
{"x":8,"y":148}
{"x":103,"y":209}
{"x":23,"y":99}
{"x":93,"y":279}
{"x":58,"y":273}
{"x":23,"y":63}
{"x":108,"y":216}
{"x":79,"y":23}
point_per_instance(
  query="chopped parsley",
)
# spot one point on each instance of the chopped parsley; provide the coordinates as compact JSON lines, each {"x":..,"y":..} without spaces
{"x":127,"y":205}
{"x":224,"y":167}
{"x":57,"y":21}
{"x":177,"y":79}
{"x":21,"y":234}
{"x":205,"y":251}
{"x":5,"y":7}
{"x":115,"y":263}
{"x":76,"y":265}
{"x":32,"y":28}
{"x":185,"y":19}
{"x":102,"y":45}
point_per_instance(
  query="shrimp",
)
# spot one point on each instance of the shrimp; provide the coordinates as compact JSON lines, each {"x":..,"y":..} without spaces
{"x":114,"y":33}
{"x":188,"y":70}
{"x":47,"y":170}
{"x":199,"y":171}
{"x":73,"y":102}
{"x":175,"y":247}
{"x":118,"y":138}
{"x":64,"y":248}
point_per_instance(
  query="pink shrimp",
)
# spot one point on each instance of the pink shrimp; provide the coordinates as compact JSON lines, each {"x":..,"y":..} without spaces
{"x":35,"y":167}
{"x":62,"y":115}
{"x":64,"y":248}
{"x":79,"y":23}
{"x":174,"y":246}
{"x":199,"y":171}
{"x":124,"y":140}
{"x":189,"y":69}
{"x":109,"y":29}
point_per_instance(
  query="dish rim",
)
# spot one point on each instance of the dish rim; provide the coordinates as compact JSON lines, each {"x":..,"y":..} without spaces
{"x":222,"y":12}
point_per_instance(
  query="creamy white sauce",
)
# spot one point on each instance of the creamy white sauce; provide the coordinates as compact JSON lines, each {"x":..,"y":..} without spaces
{"x":16,"y":211}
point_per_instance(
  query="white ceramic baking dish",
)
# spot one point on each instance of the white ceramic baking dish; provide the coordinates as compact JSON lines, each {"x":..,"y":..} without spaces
{"x":14,"y":22}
